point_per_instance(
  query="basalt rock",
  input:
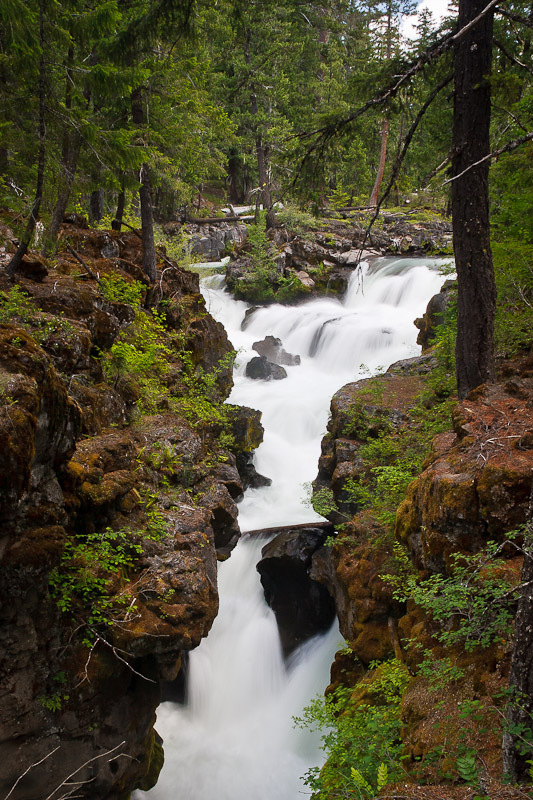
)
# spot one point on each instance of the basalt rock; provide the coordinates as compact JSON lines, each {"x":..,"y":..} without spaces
{"x":72,"y":467}
{"x":272,"y":348}
{"x":434,"y":315}
{"x":361,"y":412}
{"x":478,"y":481}
{"x":259,"y":368}
{"x":303,"y":606}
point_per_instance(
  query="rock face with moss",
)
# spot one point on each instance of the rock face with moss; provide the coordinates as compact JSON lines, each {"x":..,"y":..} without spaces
{"x":118,"y":487}
{"x":410,"y":544}
{"x":362,"y":413}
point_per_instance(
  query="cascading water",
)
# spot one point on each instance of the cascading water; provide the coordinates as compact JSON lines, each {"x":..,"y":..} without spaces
{"x":234,"y":739}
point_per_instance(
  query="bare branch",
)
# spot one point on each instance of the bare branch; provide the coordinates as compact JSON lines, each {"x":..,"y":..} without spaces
{"x":89,"y":761}
{"x":495,"y":153}
{"x":425,"y":182}
{"x":515,"y":17}
{"x":512,"y":58}
{"x":36,"y":764}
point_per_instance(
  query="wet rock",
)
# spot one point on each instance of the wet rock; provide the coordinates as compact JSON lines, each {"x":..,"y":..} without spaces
{"x":303,"y":607}
{"x":223,"y":519}
{"x":246,"y":428}
{"x":434,"y":314}
{"x":251,"y":479}
{"x":39,"y":424}
{"x":260,"y":368}
{"x":272,"y":348}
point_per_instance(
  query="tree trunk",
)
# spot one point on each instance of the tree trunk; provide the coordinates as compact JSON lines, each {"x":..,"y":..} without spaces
{"x":264,"y":182}
{"x":96,"y":205}
{"x":70,"y":150}
{"x":121,"y":202}
{"x":149,"y":264}
{"x":476,"y":295}
{"x":261,"y":149}
{"x":516,"y":763}
{"x":34,"y":213}
{"x":382,"y":160}
{"x":69,"y":163}
{"x":235,"y":195}
{"x":147,"y":225}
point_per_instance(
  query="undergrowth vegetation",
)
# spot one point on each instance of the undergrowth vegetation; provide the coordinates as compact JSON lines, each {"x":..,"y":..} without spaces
{"x":16,"y":307}
{"x":361,"y":734}
{"x":264,"y":282}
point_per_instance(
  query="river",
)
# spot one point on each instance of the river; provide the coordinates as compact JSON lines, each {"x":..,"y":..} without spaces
{"x":234,"y":738}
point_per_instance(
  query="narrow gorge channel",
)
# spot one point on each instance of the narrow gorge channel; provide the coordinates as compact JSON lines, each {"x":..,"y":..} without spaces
{"x":234,"y":738}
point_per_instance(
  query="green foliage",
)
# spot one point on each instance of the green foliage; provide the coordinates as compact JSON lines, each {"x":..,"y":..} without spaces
{"x":263,"y":282}
{"x":141,"y":354}
{"x":467,"y":769}
{"x":390,"y":457}
{"x":322,"y":500}
{"x":440,"y":672}
{"x":361,"y":738}
{"x":474,"y":604}
{"x":89,"y":585}
{"x":80,"y":585}
{"x":119,"y":290}
{"x":16,"y":307}
{"x":54,"y":700}
{"x":176,"y":246}
{"x":297,"y":221}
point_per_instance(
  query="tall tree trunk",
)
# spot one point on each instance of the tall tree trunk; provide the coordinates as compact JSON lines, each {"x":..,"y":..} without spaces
{"x":34,"y":213}
{"x":261,"y":150}
{"x":264,"y":181}
{"x":121,"y":202}
{"x":97,"y":205}
{"x":149,"y":264}
{"x":147,"y":225}
{"x":516,"y":764}
{"x":235,"y":195}
{"x":70,"y":150}
{"x":476,"y":295}
{"x":69,"y":163}
{"x":385,"y":124}
{"x":382,"y":161}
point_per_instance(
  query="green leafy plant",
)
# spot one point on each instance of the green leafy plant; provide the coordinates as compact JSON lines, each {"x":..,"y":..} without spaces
{"x":16,"y":307}
{"x":474,"y":604}
{"x":119,"y":290}
{"x":322,"y":500}
{"x":89,"y":583}
{"x":360,"y":737}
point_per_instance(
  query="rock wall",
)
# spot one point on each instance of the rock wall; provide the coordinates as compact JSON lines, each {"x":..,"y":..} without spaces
{"x":78,"y":463}
{"x":474,"y":487}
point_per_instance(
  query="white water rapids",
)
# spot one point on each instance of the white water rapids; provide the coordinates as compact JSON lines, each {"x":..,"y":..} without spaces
{"x":234,"y":738}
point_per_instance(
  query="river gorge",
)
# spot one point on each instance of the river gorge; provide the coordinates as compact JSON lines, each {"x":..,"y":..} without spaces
{"x":234,"y":737}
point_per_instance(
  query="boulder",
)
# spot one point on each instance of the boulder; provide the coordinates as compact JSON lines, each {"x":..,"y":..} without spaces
{"x":260,"y":368}
{"x":303,"y":607}
{"x":434,"y":315}
{"x":272,"y":348}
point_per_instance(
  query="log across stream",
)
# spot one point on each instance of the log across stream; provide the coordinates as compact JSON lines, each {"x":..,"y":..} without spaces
{"x":233,"y":738}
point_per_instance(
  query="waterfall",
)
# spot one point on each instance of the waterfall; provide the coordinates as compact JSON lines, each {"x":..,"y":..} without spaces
{"x":234,"y":738}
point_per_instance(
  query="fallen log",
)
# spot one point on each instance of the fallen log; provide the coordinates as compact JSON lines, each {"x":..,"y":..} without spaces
{"x":284,"y":528}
